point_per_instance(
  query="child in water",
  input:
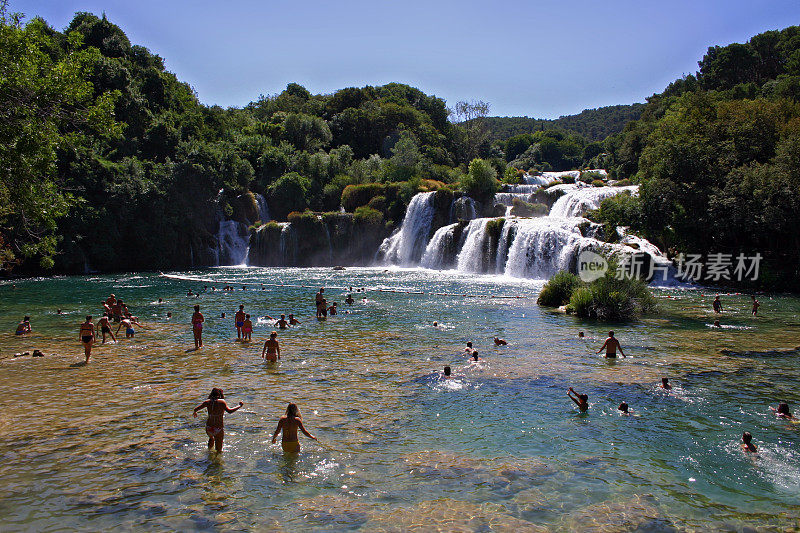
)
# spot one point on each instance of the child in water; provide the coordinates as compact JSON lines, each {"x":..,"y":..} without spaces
{"x":581,"y":400}
{"x":24,"y":326}
{"x":289,"y":424}
{"x":623,"y":408}
{"x":247,"y":328}
{"x":665,"y":384}
{"x":215,"y":428}
{"x":747,"y":444}
{"x":783,"y":411}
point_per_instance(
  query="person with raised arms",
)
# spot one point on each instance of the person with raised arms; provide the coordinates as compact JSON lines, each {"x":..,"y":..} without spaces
{"x":581,"y":400}
{"x":215,"y":426}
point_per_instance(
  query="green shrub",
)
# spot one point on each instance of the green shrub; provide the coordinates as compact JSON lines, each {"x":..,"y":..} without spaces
{"x":481,"y":180}
{"x":580,"y":301}
{"x":377,"y":203}
{"x":354,"y":196}
{"x":521,"y":208}
{"x":558,"y":290}
{"x":623,"y":183}
{"x":368,"y":216}
{"x":612,"y":298}
{"x":567,"y":179}
{"x":598,"y":183}
{"x":589,"y":177}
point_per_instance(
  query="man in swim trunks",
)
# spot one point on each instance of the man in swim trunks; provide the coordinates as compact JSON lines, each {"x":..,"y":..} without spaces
{"x":272,"y":350}
{"x":611,"y":345}
{"x":756,"y":305}
{"x":319,"y":299}
{"x":717,"y":305}
{"x":247,"y":328}
{"x":293,"y":321}
{"x":197,"y":327}
{"x":128,"y":323}
{"x":105,"y":327}
{"x":24,"y":326}
{"x":282,"y":323}
{"x":217,"y":407}
{"x":289,"y":424}
{"x":87,"y":336}
{"x":239,"y":321}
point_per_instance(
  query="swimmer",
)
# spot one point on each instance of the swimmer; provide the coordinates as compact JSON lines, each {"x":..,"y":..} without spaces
{"x":349,"y":300}
{"x":161,"y":300}
{"x":435,"y":324}
{"x":189,"y":293}
{"x":499,"y":342}
{"x":717,"y":305}
{"x":293,"y":321}
{"x":446,"y":373}
{"x":197,"y":327}
{"x":282,"y":323}
{"x":783,"y":411}
{"x":215,"y":427}
{"x":717,"y":324}
{"x":239,"y":321}
{"x":24,"y":326}
{"x":611,"y":345}
{"x":581,"y":335}
{"x":581,"y":400}
{"x":623,"y":408}
{"x":58,"y":312}
{"x":319,"y":299}
{"x":469,"y":349}
{"x":128,"y":323}
{"x":272,"y":350}
{"x":169,"y":315}
{"x":86,"y":335}
{"x":665,"y":384}
{"x":105,"y":327}
{"x":475,"y":357}
{"x":222,"y":315}
{"x":247,"y":328}
{"x":756,"y":305}
{"x":747,"y":444}
{"x":289,"y":424}
{"x":332,"y":309}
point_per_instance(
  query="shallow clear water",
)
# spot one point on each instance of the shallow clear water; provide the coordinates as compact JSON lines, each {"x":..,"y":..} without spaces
{"x":499,"y":447}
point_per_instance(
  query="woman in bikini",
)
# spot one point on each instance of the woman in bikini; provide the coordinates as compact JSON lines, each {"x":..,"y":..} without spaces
{"x":215,"y":428}
{"x":289,"y":423}
{"x":197,"y":327}
{"x":87,"y":336}
{"x":272,"y":350}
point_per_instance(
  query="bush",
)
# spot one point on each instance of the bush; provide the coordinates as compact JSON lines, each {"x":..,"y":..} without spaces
{"x":567,"y":179}
{"x":610,"y":298}
{"x":368,"y":216}
{"x":481,"y":181}
{"x":580,"y":301}
{"x":378,"y":203}
{"x":623,"y":183}
{"x":288,"y":194}
{"x":521,"y":208}
{"x":558,"y":290}
{"x":589,"y":177}
{"x":355,"y":196}
{"x":598,"y":183}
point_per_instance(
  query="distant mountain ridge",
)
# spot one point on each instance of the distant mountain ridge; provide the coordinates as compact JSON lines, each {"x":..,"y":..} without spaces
{"x":594,"y":124}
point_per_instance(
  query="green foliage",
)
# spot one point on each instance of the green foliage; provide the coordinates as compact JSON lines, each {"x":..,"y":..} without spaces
{"x":355,"y":196}
{"x":610,"y":298}
{"x":481,"y":181}
{"x":521,"y":208}
{"x":598,"y":183}
{"x":368,"y":216}
{"x":558,"y":289}
{"x":288,"y":194}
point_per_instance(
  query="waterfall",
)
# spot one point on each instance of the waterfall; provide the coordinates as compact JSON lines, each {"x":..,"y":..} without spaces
{"x":263,"y":209}
{"x":578,"y":201}
{"x":232,"y":241}
{"x":475,"y":250}
{"x":405,"y":247}
{"x":287,"y":245}
{"x":463,"y":209}
{"x":543,"y":246}
{"x":442,"y":243}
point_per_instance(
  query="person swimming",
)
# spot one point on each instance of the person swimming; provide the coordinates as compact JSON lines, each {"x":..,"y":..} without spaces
{"x":293,"y":321}
{"x":611,"y":345}
{"x":247,"y":328}
{"x":665,"y":384}
{"x":469,"y":349}
{"x":272,"y":350}
{"x":282,"y":323}
{"x":289,"y":424}
{"x":747,"y":443}
{"x":499,"y":342}
{"x":623,"y":408}
{"x":783,"y":411}
{"x":349,"y":300}
{"x":332,"y":309}
{"x":581,"y":400}
{"x":581,"y":335}
{"x":86,"y":335}
{"x":475,"y":357}
{"x":215,"y":426}
{"x":447,"y":372}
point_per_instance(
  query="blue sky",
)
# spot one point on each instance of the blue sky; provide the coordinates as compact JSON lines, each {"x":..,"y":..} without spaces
{"x":535,"y":58}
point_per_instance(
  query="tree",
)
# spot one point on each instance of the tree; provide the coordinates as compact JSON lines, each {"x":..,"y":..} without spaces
{"x":481,"y":181}
{"x":471,"y":115}
{"x":288,"y":194}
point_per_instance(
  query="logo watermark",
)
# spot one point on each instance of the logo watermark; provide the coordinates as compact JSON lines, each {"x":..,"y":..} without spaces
{"x":591,"y":266}
{"x":692,"y":268}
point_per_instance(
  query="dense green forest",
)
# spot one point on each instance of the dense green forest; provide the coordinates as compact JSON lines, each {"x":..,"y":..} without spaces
{"x":593,"y":124}
{"x":718,"y":157}
{"x":108,"y":160}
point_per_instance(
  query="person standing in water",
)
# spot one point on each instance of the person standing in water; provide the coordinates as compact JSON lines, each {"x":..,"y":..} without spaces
{"x":239,"y":321}
{"x":289,"y":424}
{"x":272,"y":350}
{"x":24,"y":327}
{"x":320,"y":299}
{"x":756,"y":305}
{"x":217,"y":407}
{"x":197,"y":327}
{"x":282,"y":323}
{"x":128,"y":323}
{"x":105,"y":327}
{"x":87,"y":336}
{"x":611,"y":346}
{"x":247,"y":328}
{"x":717,"y":304}
{"x":293,"y":321}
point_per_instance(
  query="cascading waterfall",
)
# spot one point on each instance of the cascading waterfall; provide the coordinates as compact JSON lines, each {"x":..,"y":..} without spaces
{"x":406,"y":246}
{"x":232,"y":237}
{"x":437,"y":254}
{"x":475,"y":250}
{"x":543,"y":246}
{"x":263,"y":209}
{"x":577,"y":202}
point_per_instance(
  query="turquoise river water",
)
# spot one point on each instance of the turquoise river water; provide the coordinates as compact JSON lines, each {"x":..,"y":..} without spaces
{"x":499,"y":447}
